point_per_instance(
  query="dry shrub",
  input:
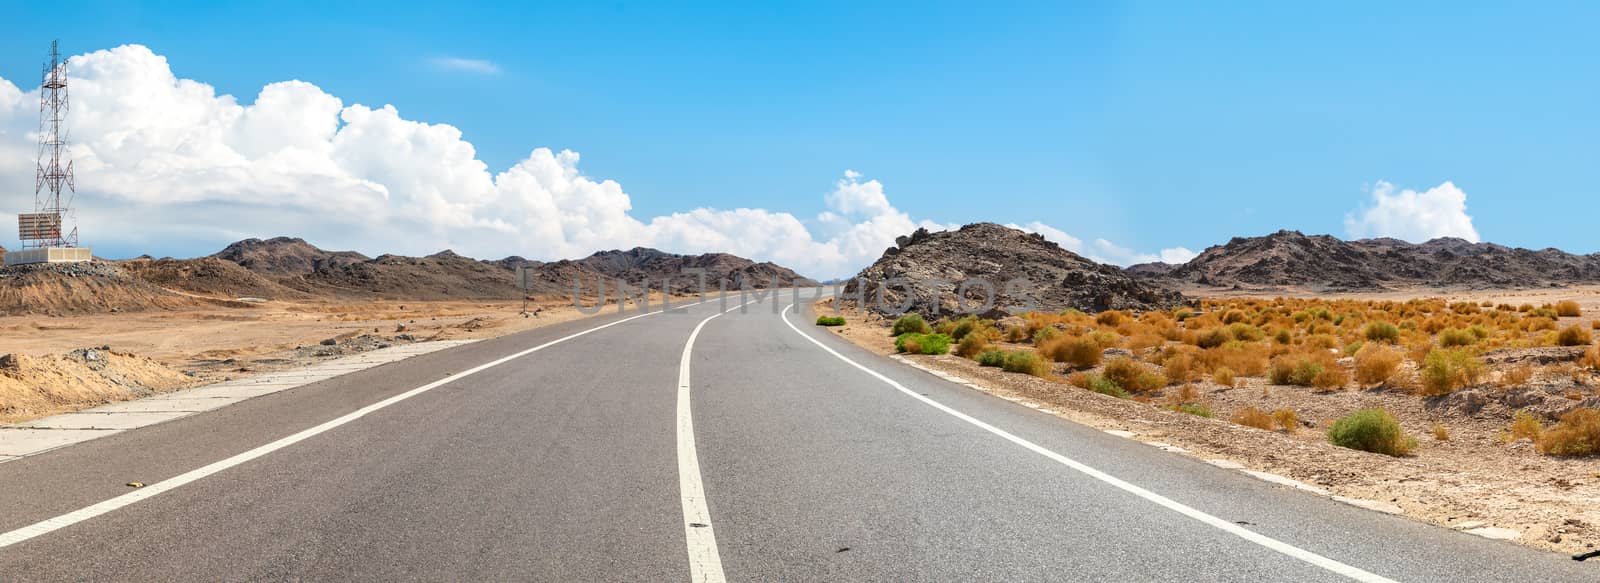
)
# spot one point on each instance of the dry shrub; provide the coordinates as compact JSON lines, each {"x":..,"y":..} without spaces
{"x":1516,"y":376}
{"x":1577,"y":434}
{"x":1381,"y":332}
{"x":1246,"y":359}
{"x":1232,"y":316}
{"x":1453,"y":337}
{"x":1573,"y":336}
{"x":972,"y":345}
{"x":1079,"y":352}
{"x":1287,"y":420}
{"x":1537,"y":323}
{"x":1568,"y":309}
{"x":1440,"y":433}
{"x":1444,"y":371}
{"x":1145,"y":340}
{"x":1253,"y":417}
{"x":1320,"y":342}
{"x":1180,"y":368}
{"x":1332,"y":377}
{"x":1314,"y":369}
{"x":1132,"y":376}
{"x":1595,"y":324}
{"x":1104,"y":338}
{"x":1111,"y":318}
{"x":1590,"y":359}
{"x":1524,"y":425}
{"x":1245,"y":332}
{"x":1212,"y":338}
{"x":1185,"y":395}
{"x":1376,"y":364}
{"x":1224,"y":376}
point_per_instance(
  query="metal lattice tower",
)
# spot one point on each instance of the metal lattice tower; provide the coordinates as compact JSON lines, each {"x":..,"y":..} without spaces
{"x":54,"y":178}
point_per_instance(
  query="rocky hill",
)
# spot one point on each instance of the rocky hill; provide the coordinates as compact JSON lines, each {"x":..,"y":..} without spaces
{"x":280,"y":256}
{"x":209,"y":276}
{"x":1290,"y":259}
{"x":443,"y":275}
{"x":304,"y":268}
{"x":642,"y":264}
{"x":934,"y":264}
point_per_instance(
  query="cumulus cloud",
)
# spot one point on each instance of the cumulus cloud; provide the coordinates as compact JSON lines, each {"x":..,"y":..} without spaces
{"x":479,"y":66}
{"x":1413,"y":216}
{"x":168,"y":165}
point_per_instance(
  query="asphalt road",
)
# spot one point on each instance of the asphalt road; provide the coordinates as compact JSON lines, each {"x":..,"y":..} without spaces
{"x":568,"y":463}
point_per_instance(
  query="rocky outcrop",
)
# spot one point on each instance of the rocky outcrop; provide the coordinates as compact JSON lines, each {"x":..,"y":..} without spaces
{"x":722,"y":271}
{"x":281,"y":256}
{"x":1288,"y":259}
{"x":927,"y":271}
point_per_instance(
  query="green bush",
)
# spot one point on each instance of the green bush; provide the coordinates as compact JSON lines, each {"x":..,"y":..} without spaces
{"x":1132,"y":376}
{"x":1382,"y":332}
{"x":1294,"y":371}
{"x":911,"y":323}
{"x":915,"y":343}
{"x":1104,"y":386}
{"x":1194,"y":409}
{"x":1444,"y":371}
{"x":1044,"y":335}
{"x":830,"y":320}
{"x":1373,"y":430}
{"x":1025,"y":362}
{"x":968,"y":325}
{"x":992,"y":358}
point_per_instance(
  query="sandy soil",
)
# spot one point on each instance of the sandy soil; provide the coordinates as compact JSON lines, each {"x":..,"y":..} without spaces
{"x":1472,"y":479}
{"x":181,"y":348}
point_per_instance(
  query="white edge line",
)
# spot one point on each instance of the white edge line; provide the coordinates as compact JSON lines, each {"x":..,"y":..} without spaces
{"x":705,"y":563}
{"x":52,"y":524}
{"x":1226,"y":526}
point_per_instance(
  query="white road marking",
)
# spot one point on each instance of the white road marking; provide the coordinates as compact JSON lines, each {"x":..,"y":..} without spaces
{"x":52,"y":524}
{"x":1226,"y":526}
{"x":705,"y":563}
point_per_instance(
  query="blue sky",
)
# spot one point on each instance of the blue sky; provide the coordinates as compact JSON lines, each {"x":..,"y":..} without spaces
{"x":1151,"y":124}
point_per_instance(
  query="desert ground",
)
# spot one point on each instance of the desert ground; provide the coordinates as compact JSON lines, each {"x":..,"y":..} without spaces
{"x":66,"y":363}
{"x":1469,"y":467}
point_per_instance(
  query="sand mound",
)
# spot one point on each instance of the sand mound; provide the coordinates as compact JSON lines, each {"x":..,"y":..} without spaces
{"x":33,"y":387}
{"x":80,"y":288}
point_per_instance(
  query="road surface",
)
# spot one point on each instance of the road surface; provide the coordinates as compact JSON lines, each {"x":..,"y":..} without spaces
{"x":575,"y":453}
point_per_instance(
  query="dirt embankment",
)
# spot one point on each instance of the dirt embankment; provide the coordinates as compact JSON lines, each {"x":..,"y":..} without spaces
{"x":36,"y":386}
{"x":82,"y":288}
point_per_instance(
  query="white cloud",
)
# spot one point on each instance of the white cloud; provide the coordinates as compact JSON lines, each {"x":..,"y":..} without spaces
{"x":1413,"y":216}
{"x":1104,"y":251}
{"x":167,"y":163}
{"x":479,"y":66}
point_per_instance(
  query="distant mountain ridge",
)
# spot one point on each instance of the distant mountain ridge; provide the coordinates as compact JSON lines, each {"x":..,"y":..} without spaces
{"x":1324,"y":262}
{"x":294,"y":264}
